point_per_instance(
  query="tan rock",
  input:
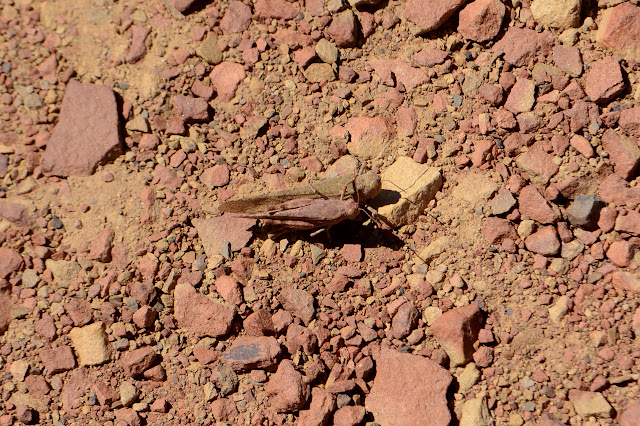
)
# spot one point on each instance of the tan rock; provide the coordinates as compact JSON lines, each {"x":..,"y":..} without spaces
{"x":557,"y":13}
{"x":90,"y":343}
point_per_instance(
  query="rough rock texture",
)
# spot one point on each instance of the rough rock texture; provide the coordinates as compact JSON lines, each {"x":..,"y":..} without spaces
{"x":481,"y":20}
{"x":456,"y":331}
{"x":287,"y":388}
{"x":408,"y":389}
{"x":623,"y":153}
{"x":87,"y":133}
{"x":604,"y":80}
{"x":557,"y":13}
{"x":200,"y":314}
{"x":247,"y":353}
{"x":619,"y":30}
{"x":430,"y":15}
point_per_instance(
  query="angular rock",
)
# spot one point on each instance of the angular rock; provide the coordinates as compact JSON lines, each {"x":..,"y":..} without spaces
{"x":408,"y":390}
{"x":216,"y":232}
{"x":343,"y":29}
{"x":137,"y":50}
{"x":349,"y":415}
{"x":584,"y":211}
{"x":631,"y":414}
{"x":87,"y":133}
{"x":536,"y":163}
{"x":630,"y":121}
{"x":502,"y":203}
{"x":522,"y":96}
{"x":430,"y":15}
{"x":275,"y":9}
{"x":589,"y":404}
{"x":224,"y":409}
{"x":15,"y":212}
{"x":404,"y":321}
{"x":623,"y":153}
{"x":259,"y":323}
{"x":391,"y":71}
{"x":248,"y":353}
{"x":620,"y":253}
{"x":568,"y":59}
{"x":545,"y":241}
{"x":137,"y":361}
{"x":619,"y":30}
{"x":370,"y":136}
{"x":521,"y":45}
{"x":614,"y":189}
{"x":216,"y":176}
{"x":475,"y":412}
{"x":298,"y":302}
{"x":625,"y":281}
{"x":199,"y":314}
{"x":10,"y":261}
{"x":191,"y":109}
{"x":287,"y":388}
{"x":236,"y":19}
{"x":229,"y":289}
{"x":629,"y":222}
{"x":534,"y":205}
{"x":496,"y":230}
{"x":481,"y":20}
{"x":58,"y":359}
{"x":225,"y":78}
{"x":100,"y":249}
{"x":323,"y":404}
{"x":90,"y":343}
{"x":557,"y":13}
{"x":430,"y":57}
{"x":604,"y":80}
{"x":317,"y":73}
{"x":407,"y":189}
{"x":456,"y":331}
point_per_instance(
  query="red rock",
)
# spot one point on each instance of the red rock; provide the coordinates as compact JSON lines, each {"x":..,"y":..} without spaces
{"x":5,"y":311}
{"x":26,"y":415}
{"x":630,"y":121}
{"x":429,"y":15}
{"x":149,"y":142}
{"x":534,"y":205}
{"x":545,"y":241}
{"x":521,"y":45}
{"x":259,"y":323}
{"x":481,"y":20}
{"x":37,"y":386}
{"x":404,"y":73}
{"x":305,"y":56}
{"x":408,"y":390}
{"x":287,"y":388}
{"x":343,"y":29}
{"x":298,"y":302}
{"x":456,"y":331}
{"x":623,"y":153}
{"x":619,"y":30}
{"x":75,"y":386}
{"x":10,"y":261}
{"x":14,"y":212}
{"x":352,"y":252}
{"x":629,"y":222}
{"x":275,"y":9}
{"x":236,"y":19}
{"x":137,"y":50}
{"x":568,"y":59}
{"x":216,"y":176}
{"x":430,"y":57}
{"x":128,"y":416}
{"x":407,"y":120}
{"x":229,"y":289}
{"x":201,"y":90}
{"x":106,"y":394}
{"x":369,"y":136}
{"x":138,"y":360}
{"x":182,"y":5}
{"x":191,"y":109}
{"x":323,"y":404}
{"x":614,"y":189}
{"x":160,"y":405}
{"x":217,"y":231}
{"x":101,"y":247}
{"x":522,"y":96}
{"x":537,"y":164}
{"x":625,"y":281}
{"x":225,"y":78}
{"x":224,"y":409}
{"x":492,"y":94}
{"x":404,"y":321}
{"x":349,"y":415}
{"x":145,"y":317}
{"x":87,"y":133}
{"x":45,"y":326}
{"x":631,"y":414}
{"x":483,"y":357}
{"x":620,"y":253}
{"x":582,"y":145}
{"x":247,"y":353}
{"x":80,"y":311}
{"x":496,"y":230}
{"x":604,"y":80}
{"x":300,"y":338}
{"x":58,"y":359}
{"x":199,"y":314}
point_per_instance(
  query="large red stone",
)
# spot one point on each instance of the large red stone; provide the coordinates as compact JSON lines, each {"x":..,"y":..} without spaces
{"x":620,"y":30}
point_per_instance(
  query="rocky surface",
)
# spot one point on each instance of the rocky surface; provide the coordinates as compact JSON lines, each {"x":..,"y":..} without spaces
{"x":494,"y":279}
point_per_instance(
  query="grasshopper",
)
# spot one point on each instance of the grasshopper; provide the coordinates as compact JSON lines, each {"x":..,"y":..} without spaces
{"x":318,"y":204}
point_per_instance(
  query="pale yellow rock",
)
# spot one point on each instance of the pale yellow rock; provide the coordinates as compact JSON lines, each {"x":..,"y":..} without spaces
{"x":90,"y":344}
{"x":64,"y":272}
{"x":407,"y":189}
{"x":559,"y":309}
{"x":19,"y":370}
{"x":128,"y":393}
{"x":316,"y":73}
{"x":557,"y":13}
{"x":589,"y":404}
{"x":474,"y":187}
{"x":475,"y":412}
{"x":434,"y":249}
{"x":469,"y":377}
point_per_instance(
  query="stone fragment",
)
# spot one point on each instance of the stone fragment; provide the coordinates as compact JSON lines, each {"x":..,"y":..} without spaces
{"x":557,"y":13}
{"x":137,"y":361}
{"x":614,"y":189}
{"x":275,"y":9}
{"x":631,"y":414}
{"x":502,"y":203}
{"x":100,"y":248}
{"x":619,"y":30}
{"x":236,"y":19}
{"x":87,"y":133}
{"x":582,"y":145}
{"x":10,"y":261}
{"x":225,"y":78}
{"x":370,"y":136}
{"x":209,"y":50}
{"x":629,"y":222}
{"x":475,"y":188}
{"x":604,"y":80}
{"x":80,"y":311}
{"x":224,"y":410}
{"x":343,"y":29}
{"x":287,"y":388}
{"x":145,"y":317}
{"x":216,"y":176}
{"x":589,"y":404}
{"x":216,"y":232}
{"x":521,"y":45}
{"x":5,"y":311}
{"x":430,"y":15}
{"x":317,"y":73}
{"x":191,"y":109}
{"x":537,"y":164}
{"x":298,"y":302}
{"x":522,"y":96}
{"x":408,"y":390}
{"x":229,"y":289}
{"x":456,"y":331}
{"x":349,"y":415}
{"x":533,"y":204}
{"x":259,"y":323}
{"x":630,"y":121}
{"x":327,"y":51}
{"x":430,"y":57}
{"x":584,"y":211}
{"x":496,"y":230}
{"x":407,"y":189}
{"x":568,"y":59}
{"x":247,"y":353}
{"x":15,"y":212}
{"x":90,"y":343}
{"x":138,"y":49}
{"x":323,"y":404}
{"x":57,"y":360}
{"x":544,"y":241}
{"x":475,"y":412}
{"x":623,"y":153}
{"x":404,"y":321}
{"x":559,"y":309}
{"x":481,"y":20}
{"x":620,"y":253}
{"x":391,"y":71}
{"x":199,"y":314}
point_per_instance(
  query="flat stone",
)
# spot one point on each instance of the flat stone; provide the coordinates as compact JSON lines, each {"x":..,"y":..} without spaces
{"x":533,"y":204}
{"x":343,"y":29}
{"x":589,"y":404}
{"x":90,"y":343}
{"x":604,"y":80}
{"x":475,"y":412}
{"x":474,"y":188}
{"x":619,"y":30}
{"x":59,"y":359}
{"x":630,"y":121}
{"x":298,"y":302}
{"x":428,"y":16}
{"x":456,"y":331}
{"x":521,"y":45}
{"x":137,"y":361}
{"x":87,"y":133}
{"x":522,"y":96}
{"x":496,"y":230}
{"x":545,"y":241}
{"x":502,"y":203}
{"x":631,"y":414}
{"x":623,"y":152}
{"x":236,"y":19}
{"x":215,"y":232}
{"x":391,"y":71}
{"x":322,"y":405}
{"x":408,"y":390}
{"x":275,"y":9}
{"x":225,"y":79}
{"x":197,"y":313}
{"x":538,"y":164}
{"x":557,"y":13}
{"x":481,"y":20}
{"x":407,"y":189}
{"x":10,"y":261}
{"x":568,"y":59}
{"x":629,"y":222}
{"x":317,"y":73}
{"x":248,"y":353}
{"x":370,"y":136}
